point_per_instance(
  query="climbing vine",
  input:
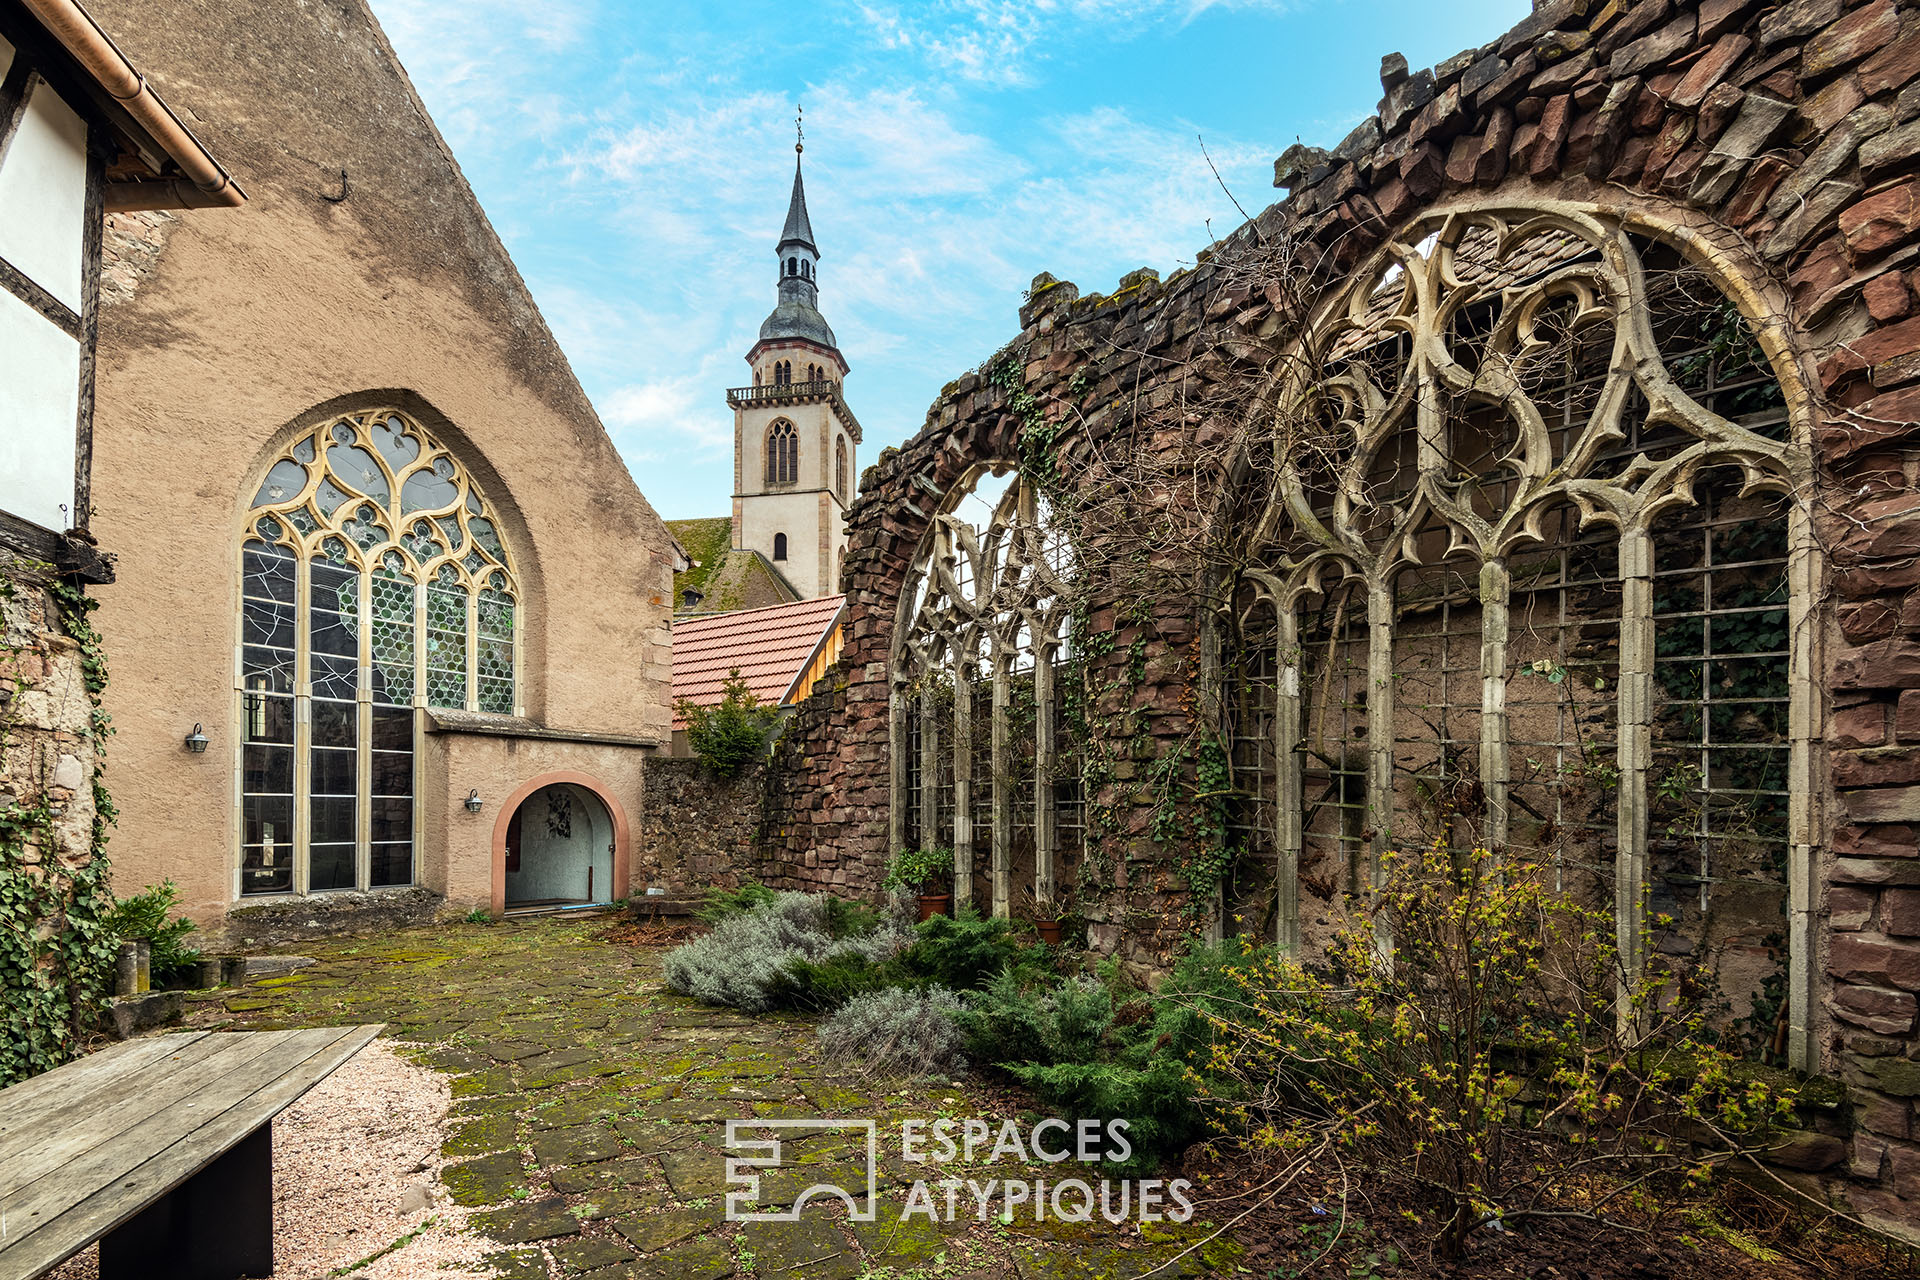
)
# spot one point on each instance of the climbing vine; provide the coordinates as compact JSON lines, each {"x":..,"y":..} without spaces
{"x":56,"y":948}
{"x":1183,"y":786}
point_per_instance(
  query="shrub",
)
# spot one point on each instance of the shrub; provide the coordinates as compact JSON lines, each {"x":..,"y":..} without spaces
{"x":731,"y":734}
{"x":724,"y":904}
{"x":148,"y":915}
{"x":742,"y":962}
{"x":963,"y":951}
{"x":1093,"y":1050}
{"x":1486,"y":1057}
{"x":897,"y":1031}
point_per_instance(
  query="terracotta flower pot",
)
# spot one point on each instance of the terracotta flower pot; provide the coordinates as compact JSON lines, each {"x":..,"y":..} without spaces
{"x":1049,"y":931}
{"x":934,"y":904}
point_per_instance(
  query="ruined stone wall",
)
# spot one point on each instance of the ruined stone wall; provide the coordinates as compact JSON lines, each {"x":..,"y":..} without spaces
{"x":52,"y":869}
{"x":1783,"y":138}
{"x":696,"y":831}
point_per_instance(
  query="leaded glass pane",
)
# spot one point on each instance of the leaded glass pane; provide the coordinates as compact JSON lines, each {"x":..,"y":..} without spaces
{"x":333,"y":632}
{"x":482,"y":531}
{"x":398,"y":447}
{"x":425,"y":491}
{"x":284,"y":482}
{"x":393,"y":633}
{"x":446,"y":647}
{"x":302,"y":519}
{"x":357,"y":469}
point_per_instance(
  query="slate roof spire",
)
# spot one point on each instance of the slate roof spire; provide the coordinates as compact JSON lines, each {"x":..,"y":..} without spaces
{"x":798,"y":313}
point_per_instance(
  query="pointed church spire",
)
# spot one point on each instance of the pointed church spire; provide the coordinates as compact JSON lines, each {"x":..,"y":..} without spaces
{"x":798,"y":229}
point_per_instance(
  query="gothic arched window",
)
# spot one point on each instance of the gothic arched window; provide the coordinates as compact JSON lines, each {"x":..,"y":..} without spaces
{"x":374,"y":581}
{"x":1527,"y":574}
{"x":779,"y":546}
{"x":982,"y":713}
{"x":840,"y":467}
{"x":783,"y":453}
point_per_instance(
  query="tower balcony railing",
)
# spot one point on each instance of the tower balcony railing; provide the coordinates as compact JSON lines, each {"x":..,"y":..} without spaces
{"x":774,"y":392}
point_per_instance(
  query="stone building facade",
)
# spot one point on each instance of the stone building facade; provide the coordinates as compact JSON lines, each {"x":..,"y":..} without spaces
{"x":1654,"y":172}
{"x":375,"y":546}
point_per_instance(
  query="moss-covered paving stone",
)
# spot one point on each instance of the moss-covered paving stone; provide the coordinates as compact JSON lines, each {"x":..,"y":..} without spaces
{"x":695,"y":1172}
{"x":812,"y":1246}
{"x":699,"y":1260}
{"x":478,"y":1137}
{"x":517,"y":1264}
{"x":903,"y":1242}
{"x":650,"y":1232}
{"x":526,"y":1223}
{"x":488,"y":1180}
{"x":590,"y":1254}
{"x":588,"y":1144}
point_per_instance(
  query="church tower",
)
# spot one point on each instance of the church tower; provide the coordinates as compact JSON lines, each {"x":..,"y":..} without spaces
{"x":793,"y":435}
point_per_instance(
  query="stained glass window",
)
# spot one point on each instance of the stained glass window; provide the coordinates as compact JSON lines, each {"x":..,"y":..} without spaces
{"x":375,"y":580}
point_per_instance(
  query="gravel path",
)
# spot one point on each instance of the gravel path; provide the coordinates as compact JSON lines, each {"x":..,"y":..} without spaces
{"x":356,"y":1168}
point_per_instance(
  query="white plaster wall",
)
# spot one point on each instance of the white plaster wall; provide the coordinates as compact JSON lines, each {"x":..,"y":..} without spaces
{"x":43,"y":196}
{"x":39,"y":409}
{"x":6,"y":56}
{"x":556,"y":866}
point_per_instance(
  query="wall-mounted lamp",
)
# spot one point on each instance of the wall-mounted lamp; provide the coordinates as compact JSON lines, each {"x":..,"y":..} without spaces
{"x":197,"y":740}
{"x":473,"y":799}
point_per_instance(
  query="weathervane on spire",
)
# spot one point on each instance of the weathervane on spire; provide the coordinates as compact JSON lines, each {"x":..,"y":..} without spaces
{"x":799,"y":133}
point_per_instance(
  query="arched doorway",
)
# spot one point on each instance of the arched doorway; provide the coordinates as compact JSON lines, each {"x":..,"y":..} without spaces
{"x":560,"y":849}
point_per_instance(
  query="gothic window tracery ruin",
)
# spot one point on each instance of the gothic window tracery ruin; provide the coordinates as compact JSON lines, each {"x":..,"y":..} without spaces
{"x":983,"y":685}
{"x":1530,"y":575}
{"x":374,"y":581}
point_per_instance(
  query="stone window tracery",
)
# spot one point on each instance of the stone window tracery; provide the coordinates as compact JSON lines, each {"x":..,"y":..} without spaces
{"x":373,"y":582}
{"x":984,"y":680}
{"x":840,"y":467}
{"x":783,"y":453}
{"x":1530,"y":576}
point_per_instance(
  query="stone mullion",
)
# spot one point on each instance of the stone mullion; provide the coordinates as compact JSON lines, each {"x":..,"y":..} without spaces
{"x":1804,"y":715}
{"x":1496,"y":586}
{"x":1289,"y":800}
{"x":1635,"y":756}
{"x":962,"y":779}
{"x":929,"y":832}
{"x":1046,"y":831}
{"x":898,"y":778}
{"x":1002,"y":788}
{"x":1379,"y":728}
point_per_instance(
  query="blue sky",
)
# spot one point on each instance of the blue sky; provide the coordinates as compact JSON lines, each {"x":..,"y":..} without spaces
{"x":636,"y":157}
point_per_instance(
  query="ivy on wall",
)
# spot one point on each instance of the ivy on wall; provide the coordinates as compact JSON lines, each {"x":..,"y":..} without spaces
{"x":56,"y":948}
{"x":1184,"y":786}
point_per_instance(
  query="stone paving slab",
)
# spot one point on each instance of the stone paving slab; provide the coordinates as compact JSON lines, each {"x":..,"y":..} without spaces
{"x":588,"y":1122}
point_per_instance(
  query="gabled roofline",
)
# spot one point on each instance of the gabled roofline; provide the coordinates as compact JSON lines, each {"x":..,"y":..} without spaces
{"x":826,"y":634}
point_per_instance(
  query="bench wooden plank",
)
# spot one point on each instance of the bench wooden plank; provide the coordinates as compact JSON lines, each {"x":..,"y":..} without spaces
{"x":53,"y":1088}
{"x":91,"y":1101}
{"x":65,"y":1212}
{"x":105,"y":1114}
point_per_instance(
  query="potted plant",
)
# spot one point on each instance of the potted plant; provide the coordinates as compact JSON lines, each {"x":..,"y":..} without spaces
{"x":1045,"y":915}
{"x":928,"y":873}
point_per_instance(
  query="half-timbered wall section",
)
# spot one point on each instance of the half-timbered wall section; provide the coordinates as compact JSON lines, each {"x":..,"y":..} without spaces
{"x":1595,"y":540}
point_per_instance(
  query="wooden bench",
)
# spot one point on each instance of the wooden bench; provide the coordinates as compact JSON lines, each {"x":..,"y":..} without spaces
{"x":161,"y":1149}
